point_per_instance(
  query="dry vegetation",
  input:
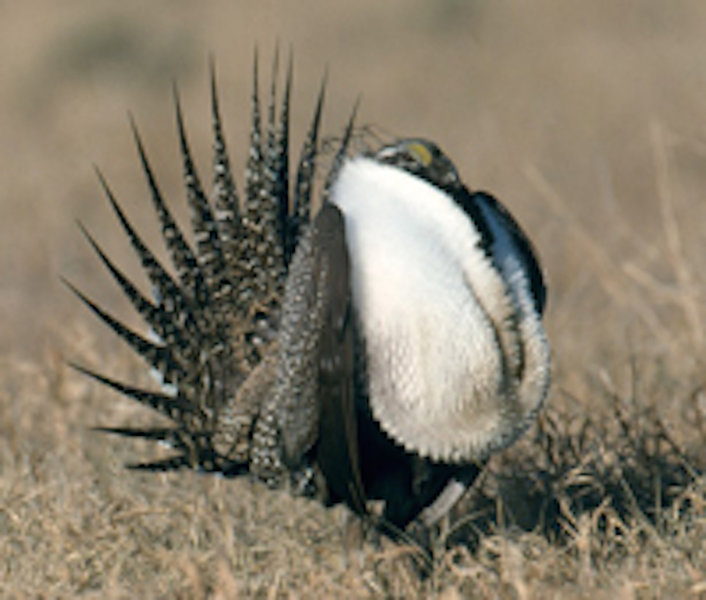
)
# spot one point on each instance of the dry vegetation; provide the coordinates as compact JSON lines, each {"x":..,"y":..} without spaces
{"x":588,"y":120}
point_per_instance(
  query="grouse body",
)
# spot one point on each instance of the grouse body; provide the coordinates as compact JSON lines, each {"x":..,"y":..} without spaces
{"x":381,"y":349}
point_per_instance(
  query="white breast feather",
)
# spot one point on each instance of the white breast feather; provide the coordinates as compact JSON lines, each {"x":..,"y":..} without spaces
{"x":436,"y":316}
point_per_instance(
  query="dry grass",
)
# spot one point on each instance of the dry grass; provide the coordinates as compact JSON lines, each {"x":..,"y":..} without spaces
{"x":587,"y":120}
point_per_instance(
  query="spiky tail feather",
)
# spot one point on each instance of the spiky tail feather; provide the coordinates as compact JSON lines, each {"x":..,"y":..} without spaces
{"x":215,"y":319}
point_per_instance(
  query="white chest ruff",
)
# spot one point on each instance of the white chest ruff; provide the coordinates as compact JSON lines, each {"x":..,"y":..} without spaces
{"x":445,"y":343}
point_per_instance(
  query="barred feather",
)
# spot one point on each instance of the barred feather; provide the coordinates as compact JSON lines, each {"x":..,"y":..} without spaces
{"x":180,"y":252}
{"x":301,"y":211}
{"x":181,"y":326}
{"x":208,"y":243}
{"x":214,"y":322}
{"x":226,"y":204}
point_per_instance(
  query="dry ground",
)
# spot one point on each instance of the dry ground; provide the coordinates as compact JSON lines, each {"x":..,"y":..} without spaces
{"x":587,"y":119}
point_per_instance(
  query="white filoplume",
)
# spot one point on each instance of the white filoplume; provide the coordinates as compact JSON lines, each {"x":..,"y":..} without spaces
{"x":457,"y":364}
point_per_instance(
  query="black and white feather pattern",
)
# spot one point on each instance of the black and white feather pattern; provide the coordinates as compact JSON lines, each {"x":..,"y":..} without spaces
{"x":296,"y":346}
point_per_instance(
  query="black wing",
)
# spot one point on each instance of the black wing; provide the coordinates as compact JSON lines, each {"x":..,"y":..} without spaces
{"x":337,"y":451}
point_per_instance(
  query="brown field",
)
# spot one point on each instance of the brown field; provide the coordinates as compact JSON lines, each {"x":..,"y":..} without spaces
{"x":587,"y":119}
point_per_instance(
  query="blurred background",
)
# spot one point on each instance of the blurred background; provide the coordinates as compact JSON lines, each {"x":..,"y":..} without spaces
{"x":587,"y":120}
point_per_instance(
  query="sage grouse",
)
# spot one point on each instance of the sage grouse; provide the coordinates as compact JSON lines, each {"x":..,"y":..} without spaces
{"x":379,"y":350}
